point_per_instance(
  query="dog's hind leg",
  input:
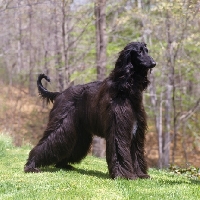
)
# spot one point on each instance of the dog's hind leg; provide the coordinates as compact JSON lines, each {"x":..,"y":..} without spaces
{"x":81,"y":147}
{"x":80,"y":150}
{"x":53,"y":147}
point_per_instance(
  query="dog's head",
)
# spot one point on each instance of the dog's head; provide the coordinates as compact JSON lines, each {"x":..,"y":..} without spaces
{"x":136,"y":54}
{"x":139,"y":55}
{"x":135,"y":58}
{"x":133,"y":63}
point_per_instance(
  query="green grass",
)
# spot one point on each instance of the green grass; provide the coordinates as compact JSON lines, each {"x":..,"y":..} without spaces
{"x":89,"y":180}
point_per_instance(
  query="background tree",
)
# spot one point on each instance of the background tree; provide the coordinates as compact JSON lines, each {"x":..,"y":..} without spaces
{"x":98,"y":146}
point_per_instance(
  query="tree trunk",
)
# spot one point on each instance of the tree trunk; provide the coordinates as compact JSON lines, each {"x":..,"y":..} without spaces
{"x":139,"y":4}
{"x":100,"y":14}
{"x":58,"y":57}
{"x":31,"y":55}
{"x":65,"y":37}
{"x":98,"y":148}
{"x":157,"y":110}
{"x":169,"y":94}
{"x":19,"y":42}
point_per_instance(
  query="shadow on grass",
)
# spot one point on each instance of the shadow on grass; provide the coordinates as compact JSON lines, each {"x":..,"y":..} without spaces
{"x":197,"y":182}
{"x":93,"y":173}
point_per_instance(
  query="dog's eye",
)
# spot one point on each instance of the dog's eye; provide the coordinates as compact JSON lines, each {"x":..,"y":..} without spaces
{"x":146,"y":50}
{"x":140,"y":51}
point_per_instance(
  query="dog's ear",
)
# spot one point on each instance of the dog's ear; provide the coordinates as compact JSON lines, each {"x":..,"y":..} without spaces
{"x":124,"y":61}
{"x":126,"y":58}
{"x":123,"y":70}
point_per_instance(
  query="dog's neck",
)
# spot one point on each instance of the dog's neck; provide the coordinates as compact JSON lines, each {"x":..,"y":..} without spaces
{"x":141,"y":81}
{"x":129,"y":82}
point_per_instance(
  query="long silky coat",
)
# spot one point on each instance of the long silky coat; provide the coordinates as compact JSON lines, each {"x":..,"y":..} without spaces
{"x":112,"y":109}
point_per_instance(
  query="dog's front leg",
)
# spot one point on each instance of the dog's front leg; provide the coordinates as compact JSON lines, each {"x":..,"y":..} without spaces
{"x":118,"y":156}
{"x":137,"y":152}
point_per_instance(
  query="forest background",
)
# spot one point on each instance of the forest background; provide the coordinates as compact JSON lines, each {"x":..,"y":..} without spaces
{"x":77,"y":41}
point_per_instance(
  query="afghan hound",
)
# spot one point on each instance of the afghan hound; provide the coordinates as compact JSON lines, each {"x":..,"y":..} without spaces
{"x":112,"y":109}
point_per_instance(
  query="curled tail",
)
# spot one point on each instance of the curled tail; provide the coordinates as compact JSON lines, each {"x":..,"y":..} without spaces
{"x":43,"y":92}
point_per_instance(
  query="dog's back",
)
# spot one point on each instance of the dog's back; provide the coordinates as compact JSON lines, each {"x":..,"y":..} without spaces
{"x":84,"y":101}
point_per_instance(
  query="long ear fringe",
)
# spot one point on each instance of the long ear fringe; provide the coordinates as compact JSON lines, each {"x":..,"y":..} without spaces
{"x":122,"y":73}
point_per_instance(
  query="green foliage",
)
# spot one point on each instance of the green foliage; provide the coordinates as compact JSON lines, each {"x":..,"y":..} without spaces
{"x":85,"y":76}
{"x":89,"y":180}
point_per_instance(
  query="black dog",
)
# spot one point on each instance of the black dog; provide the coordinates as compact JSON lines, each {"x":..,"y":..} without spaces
{"x":112,"y":109}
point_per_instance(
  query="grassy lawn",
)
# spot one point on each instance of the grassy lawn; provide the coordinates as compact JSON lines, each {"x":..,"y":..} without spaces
{"x":89,"y":180}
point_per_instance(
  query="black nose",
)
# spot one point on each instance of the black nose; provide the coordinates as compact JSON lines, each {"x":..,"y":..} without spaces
{"x":153,"y":64}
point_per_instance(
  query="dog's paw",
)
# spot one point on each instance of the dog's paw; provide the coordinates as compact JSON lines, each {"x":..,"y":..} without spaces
{"x":32,"y":170}
{"x":143,"y":176}
{"x":67,"y":166}
{"x":132,"y":177}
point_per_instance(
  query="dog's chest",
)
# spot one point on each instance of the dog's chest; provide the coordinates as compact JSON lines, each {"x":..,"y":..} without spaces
{"x":134,"y":128}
